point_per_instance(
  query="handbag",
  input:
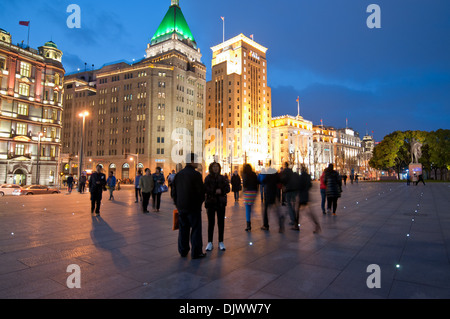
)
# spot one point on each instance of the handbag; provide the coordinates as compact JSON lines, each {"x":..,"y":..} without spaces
{"x":163,"y":188}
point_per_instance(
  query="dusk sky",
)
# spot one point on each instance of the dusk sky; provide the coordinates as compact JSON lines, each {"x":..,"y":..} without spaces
{"x":396,"y":77}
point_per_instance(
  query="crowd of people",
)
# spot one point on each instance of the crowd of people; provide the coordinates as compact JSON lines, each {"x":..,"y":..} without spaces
{"x":190,"y":192}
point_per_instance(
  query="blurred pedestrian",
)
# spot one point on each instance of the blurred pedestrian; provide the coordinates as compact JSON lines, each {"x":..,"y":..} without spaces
{"x":290,"y":191}
{"x":146,"y":185}
{"x":170,"y":178}
{"x":236,"y":185}
{"x":271,"y":200}
{"x":97,"y":184}
{"x":188,"y":194}
{"x":70,"y":183}
{"x":334,"y":188}
{"x":344,"y":178}
{"x":158,"y":181}
{"x":261,"y":177}
{"x":304,"y":188}
{"x":250,"y":186}
{"x":82,"y":183}
{"x":111,"y":185}
{"x":323,"y":191}
{"x":217,"y":187}
{"x":137,"y":190}
{"x":420,"y":180}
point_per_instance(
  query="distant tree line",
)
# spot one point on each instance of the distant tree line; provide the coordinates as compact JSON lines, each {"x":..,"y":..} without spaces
{"x":394,"y":152}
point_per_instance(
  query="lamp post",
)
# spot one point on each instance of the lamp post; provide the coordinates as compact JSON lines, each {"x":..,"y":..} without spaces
{"x":136,"y":164}
{"x":80,"y":158}
{"x":38,"y":170}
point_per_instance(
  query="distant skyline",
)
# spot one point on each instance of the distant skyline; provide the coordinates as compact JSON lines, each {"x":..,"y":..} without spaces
{"x":393,"y":78}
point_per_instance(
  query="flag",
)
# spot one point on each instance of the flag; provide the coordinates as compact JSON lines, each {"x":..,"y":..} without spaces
{"x":298,"y":99}
{"x":25,"y":23}
{"x":223,"y":19}
{"x":251,"y":36}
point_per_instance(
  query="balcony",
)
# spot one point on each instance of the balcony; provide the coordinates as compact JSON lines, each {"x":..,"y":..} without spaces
{"x":22,"y":157}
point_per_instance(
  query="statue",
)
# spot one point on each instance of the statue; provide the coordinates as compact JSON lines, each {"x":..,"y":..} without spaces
{"x":416,"y":151}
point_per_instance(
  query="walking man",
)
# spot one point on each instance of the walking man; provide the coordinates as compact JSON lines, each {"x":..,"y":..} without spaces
{"x":111,"y":184}
{"x":188,"y":194}
{"x":146,"y":185}
{"x":97,"y":184}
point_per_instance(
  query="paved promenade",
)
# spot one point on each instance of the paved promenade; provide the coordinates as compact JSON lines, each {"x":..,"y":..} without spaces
{"x":124,"y":254}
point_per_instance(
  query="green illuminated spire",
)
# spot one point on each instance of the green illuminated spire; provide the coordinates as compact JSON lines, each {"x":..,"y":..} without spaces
{"x":174,"y":23}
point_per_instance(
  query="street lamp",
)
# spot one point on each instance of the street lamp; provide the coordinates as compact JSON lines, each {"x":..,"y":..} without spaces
{"x":80,"y":168}
{"x":136,"y":164}
{"x":38,"y":170}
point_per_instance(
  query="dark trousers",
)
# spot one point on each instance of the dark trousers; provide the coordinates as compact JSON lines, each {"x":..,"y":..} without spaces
{"x":236,"y":195}
{"x":190,"y":228}
{"x":145,"y":200}
{"x":211,"y":212}
{"x":156,"y":200}
{"x":137,"y":192}
{"x":332,"y":201}
{"x":96,"y":199}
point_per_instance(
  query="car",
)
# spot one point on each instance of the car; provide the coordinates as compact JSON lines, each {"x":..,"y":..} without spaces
{"x":36,"y":190}
{"x":7,"y":189}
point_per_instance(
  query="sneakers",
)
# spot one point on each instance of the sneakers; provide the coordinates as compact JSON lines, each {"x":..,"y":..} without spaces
{"x":210,"y":247}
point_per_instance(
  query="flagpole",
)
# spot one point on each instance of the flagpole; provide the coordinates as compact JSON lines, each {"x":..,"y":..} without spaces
{"x":298,"y":106}
{"x":28,"y":40}
{"x":223,"y":29}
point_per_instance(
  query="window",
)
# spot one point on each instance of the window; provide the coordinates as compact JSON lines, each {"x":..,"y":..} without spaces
{"x":24,"y":89}
{"x":25,"y":69}
{"x":20,"y":149}
{"x":21,"y":129}
{"x":22,"y":109}
{"x":2,"y":63}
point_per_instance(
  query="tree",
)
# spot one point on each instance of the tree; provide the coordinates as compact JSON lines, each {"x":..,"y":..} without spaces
{"x":390,"y":153}
{"x":439,"y":150}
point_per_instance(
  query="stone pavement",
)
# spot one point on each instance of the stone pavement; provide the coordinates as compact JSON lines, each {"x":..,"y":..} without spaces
{"x":124,"y":254}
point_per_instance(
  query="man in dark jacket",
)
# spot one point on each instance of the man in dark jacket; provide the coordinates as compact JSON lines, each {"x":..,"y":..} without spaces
{"x":305,"y":185}
{"x":188,"y":194}
{"x":289,"y":179}
{"x":97,"y":184}
{"x":334,"y":187}
{"x":216,"y":189}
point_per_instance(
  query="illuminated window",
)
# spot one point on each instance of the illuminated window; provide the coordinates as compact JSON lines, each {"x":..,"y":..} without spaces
{"x":21,"y":129}
{"x":25,"y":69}
{"x":22,"y":109}
{"x":20,"y":149}
{"x":24,"y":89}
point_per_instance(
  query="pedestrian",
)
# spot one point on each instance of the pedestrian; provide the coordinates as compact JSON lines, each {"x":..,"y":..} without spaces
{"x":97,"y":184}
{"x":305,"y":185}
{"x":137,"y":190}
{"x":290,"y":191}
{"x":158,"y":181}
{"x":271,"y":180}
{"x":261,"y":177}
{"x":356,"y":178}
{"x":420,"y":180}
{"x":70,"y":183}
{"x":146,"y":185}
{"x":352,"y":177}
{"x":250,"y":186}
{"x":111,"y":184}
{"x":188,"y":194}
{"x":344,"y":178}
{"x":323,"y":191}
{"x":217,"y":187}
{"x":408,"y":179}
{"x":170,"y":178}
{"x":333,"y":191}
{"x":236,"y":185}
{"x":82,"y":183}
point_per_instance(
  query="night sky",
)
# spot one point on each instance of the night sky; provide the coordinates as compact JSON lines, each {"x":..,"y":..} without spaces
{"x":396,"y":77}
